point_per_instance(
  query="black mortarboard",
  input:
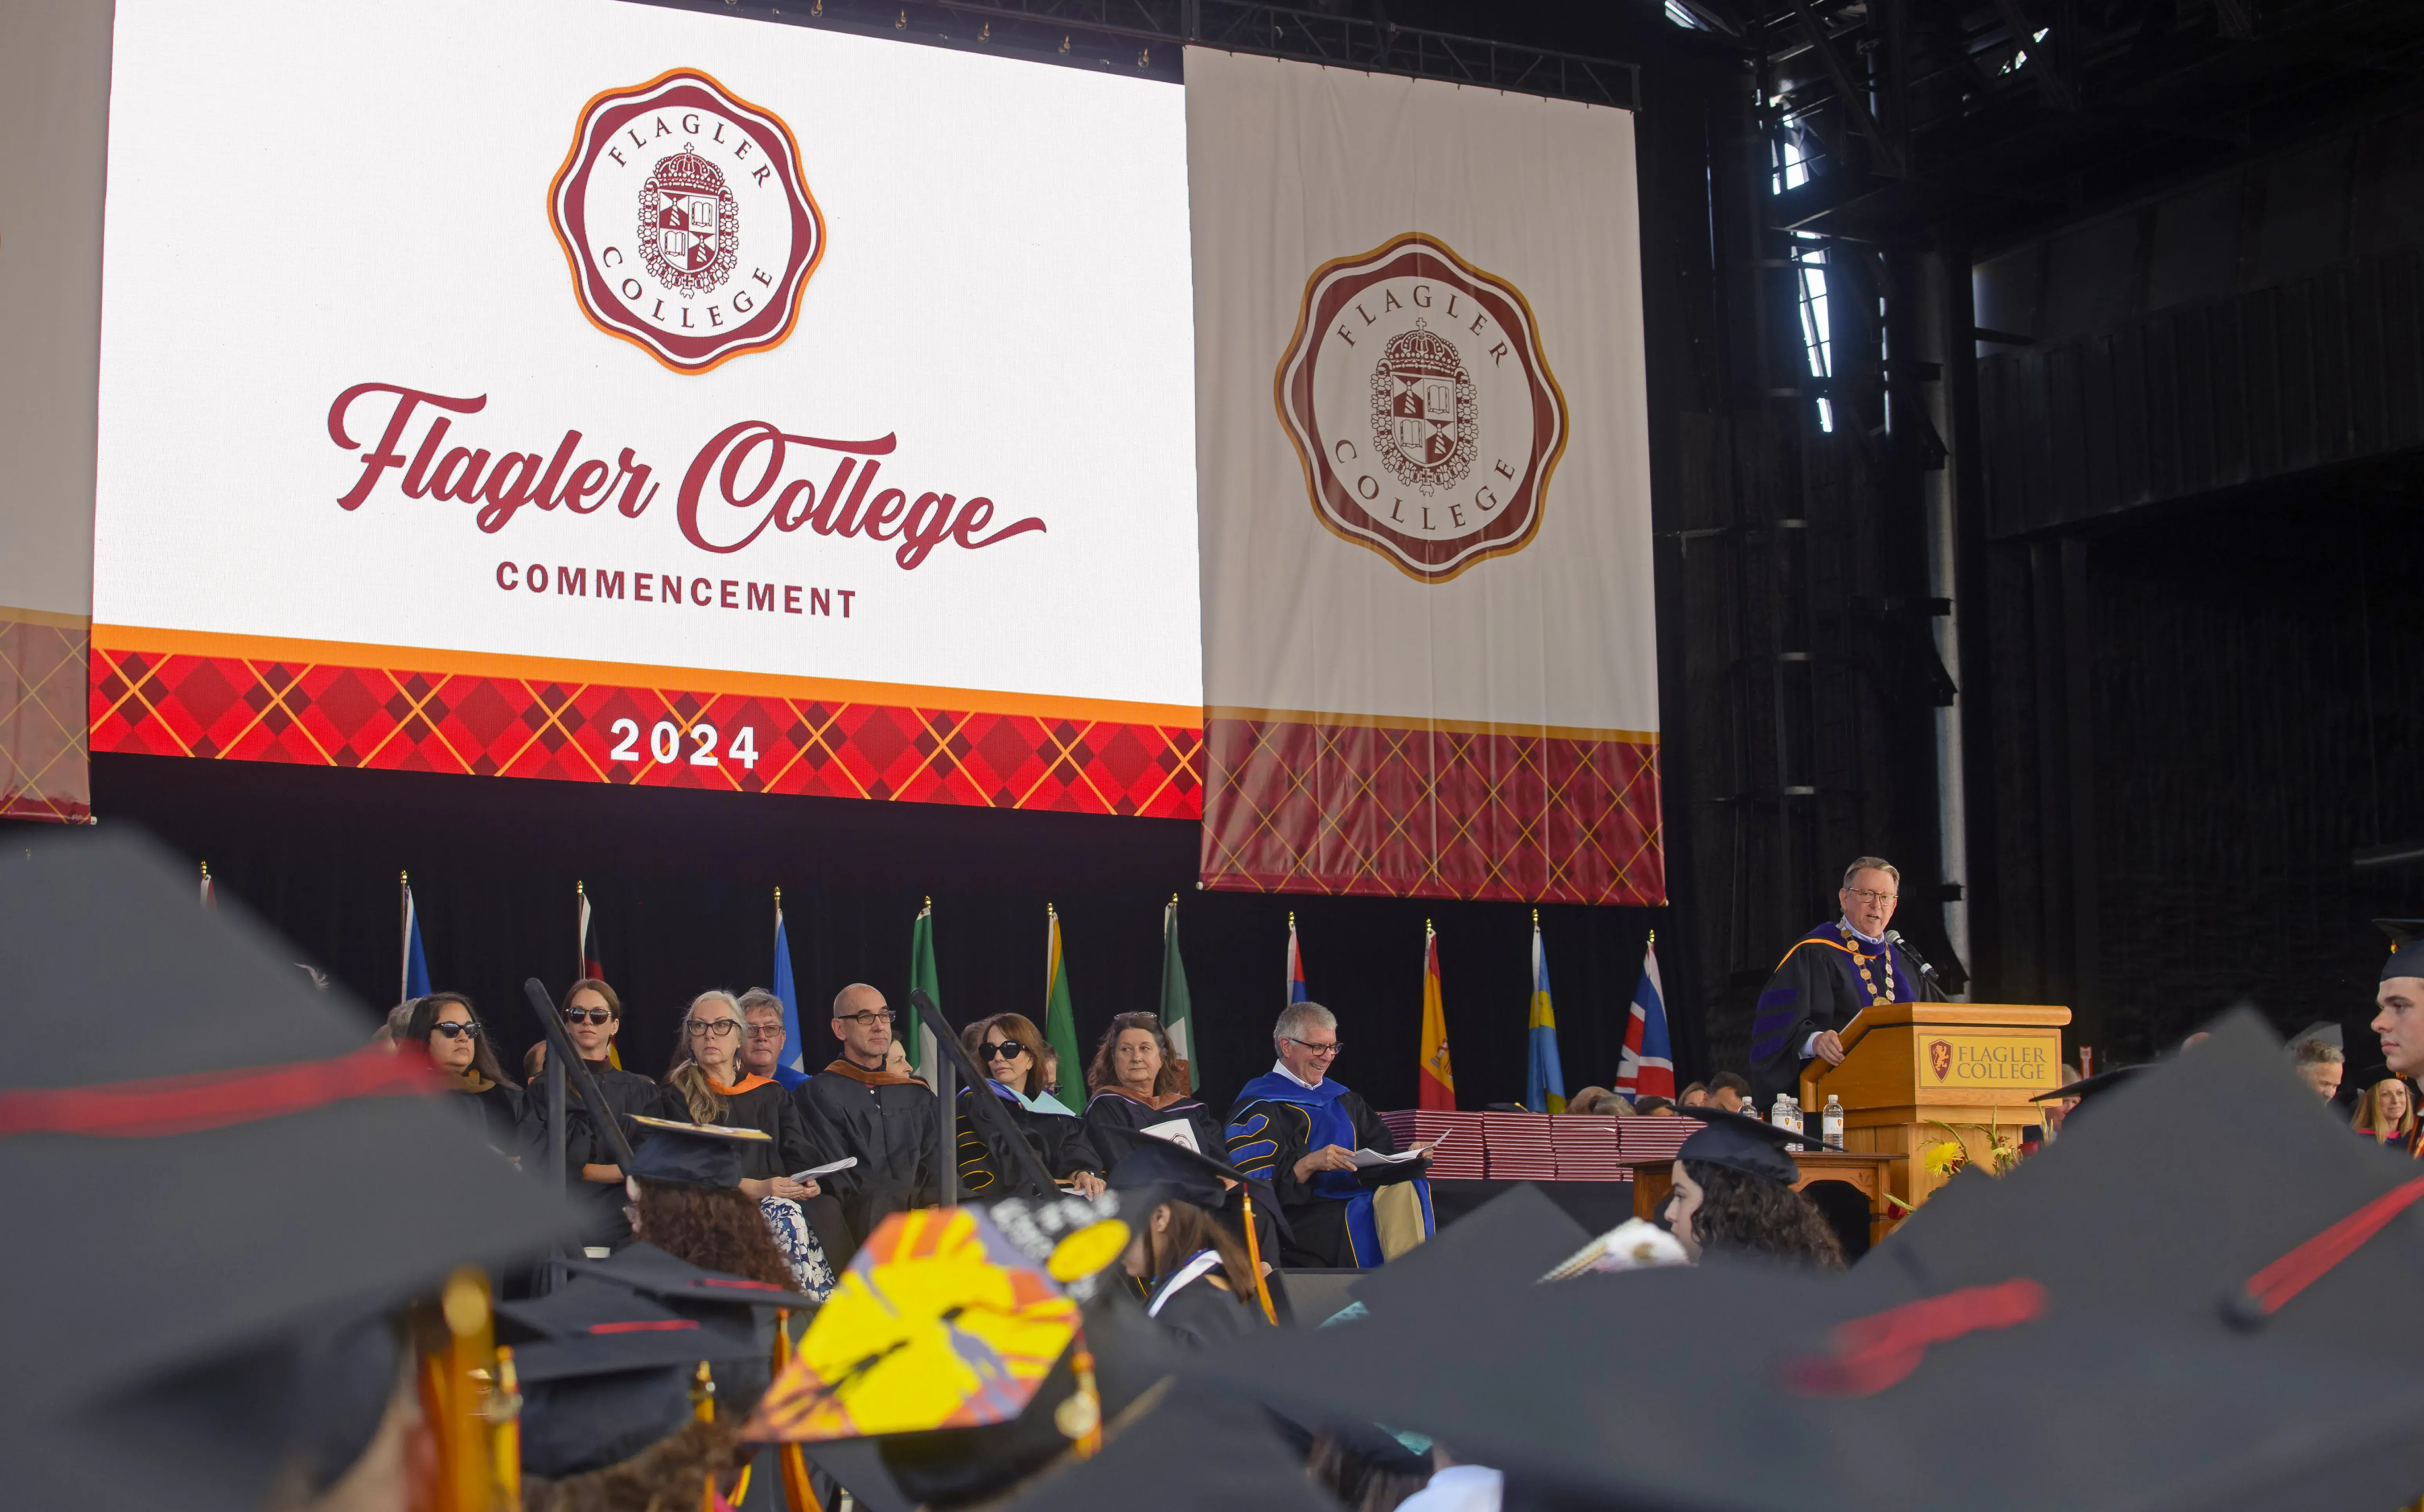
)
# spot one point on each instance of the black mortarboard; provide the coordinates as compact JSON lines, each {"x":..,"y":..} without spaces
{"x":605,"y":1372}
{"x":1512,"y":1240}
{"x":1174,"y":1171}
{"x":2406,"y":938}
{"x":2122,"y":1208}
{"x":691,"y":1155}
{"x":1768,"y":1374}
{"x":1185,"y":1448}
{"x":1739,"y":1142}
{"x":643,"y":1267}
{"x":195,"y":1406}
{"x":2087,"y":1087}
{"x":585,"y":1308}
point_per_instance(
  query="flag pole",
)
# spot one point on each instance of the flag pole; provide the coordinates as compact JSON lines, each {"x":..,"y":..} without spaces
{"x":403,"y":933}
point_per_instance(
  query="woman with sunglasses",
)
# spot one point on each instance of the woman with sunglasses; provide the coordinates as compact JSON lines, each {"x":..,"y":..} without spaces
{"x":593,"y":1013}
{"x":708,"y":1085}
{"x":1008,"y":1049}
{"x":444,"y":1027}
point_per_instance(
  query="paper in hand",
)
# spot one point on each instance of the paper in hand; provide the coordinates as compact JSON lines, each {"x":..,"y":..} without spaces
{"x":1365,"y":1158}
{"x":814,"y":1171}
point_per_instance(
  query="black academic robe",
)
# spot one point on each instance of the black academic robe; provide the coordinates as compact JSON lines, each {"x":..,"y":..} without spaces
{"x":988,"y":1173}
{"x":1199,"y":1315}
{"x":889,"y":1125}
{"x":1828,"y":975}
{"x":1267,"y":1136}
{"x":764,"y":1106}
{"x":504,"y":1118}
{"x":599,"y":1204}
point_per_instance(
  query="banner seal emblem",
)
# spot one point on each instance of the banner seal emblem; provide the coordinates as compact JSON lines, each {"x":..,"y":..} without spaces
{"x":1422,"y":408}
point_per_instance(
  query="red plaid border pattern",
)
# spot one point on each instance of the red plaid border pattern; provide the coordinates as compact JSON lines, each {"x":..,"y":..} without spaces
{"x":1296,"y":804}
{"x":398,"y":719}
{"x":43,"y":773}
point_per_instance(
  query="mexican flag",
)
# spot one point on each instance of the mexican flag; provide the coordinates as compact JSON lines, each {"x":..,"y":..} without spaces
{"x":917,"y":1036}
{"x":1176,"y":1008}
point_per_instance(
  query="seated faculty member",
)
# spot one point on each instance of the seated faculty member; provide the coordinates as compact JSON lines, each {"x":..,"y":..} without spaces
{"x":593,"y":1015}
{"x":1136,"y":1084}
{"x":859,"y":1106}
{"x":708,"y":1085}
{"x":1299,"y":1130}
{"x":1829,"y":975}
{"x":766,"y":1051}
{"x":1008,"y":1049}
{"x":444,"y":1026}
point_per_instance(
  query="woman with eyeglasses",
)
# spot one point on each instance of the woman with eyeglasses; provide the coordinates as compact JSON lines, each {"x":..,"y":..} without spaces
{"x":443,"y":1025}
{"x":1008,"y":1049}
{"x":708,"y":1085}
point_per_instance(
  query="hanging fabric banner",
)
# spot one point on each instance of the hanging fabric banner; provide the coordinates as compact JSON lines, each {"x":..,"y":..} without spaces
{"x":1423,"y":489}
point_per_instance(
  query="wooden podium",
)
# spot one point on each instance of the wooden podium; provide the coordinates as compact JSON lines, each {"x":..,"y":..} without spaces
{"x":1910,"y":1066}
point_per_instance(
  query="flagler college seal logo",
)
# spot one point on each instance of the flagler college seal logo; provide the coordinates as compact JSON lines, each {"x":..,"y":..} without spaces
{"x":1421,"y":407}
{"x":1939,"y":1057}
{"x":687,"y":221}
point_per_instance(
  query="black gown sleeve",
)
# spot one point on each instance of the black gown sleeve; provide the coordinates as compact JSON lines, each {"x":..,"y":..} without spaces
{"x":1065,"y":1149}
{"x":829,"y":1139}
{"x":1799,"y":1000}
{"x":1112,"y":1124}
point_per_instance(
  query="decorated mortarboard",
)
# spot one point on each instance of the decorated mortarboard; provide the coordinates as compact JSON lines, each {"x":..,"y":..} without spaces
{"x":1741,"y":1143}
{"x":692,"y":1154}
{"x":2406,"y":958}
{"x":1173,"y":1171}
{"x":221,"y":1058}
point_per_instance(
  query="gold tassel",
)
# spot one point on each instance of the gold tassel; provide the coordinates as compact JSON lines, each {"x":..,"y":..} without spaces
{"x":1254,"y":1255}
{"x":797,"y":1488}
{"x":505,"y":1432}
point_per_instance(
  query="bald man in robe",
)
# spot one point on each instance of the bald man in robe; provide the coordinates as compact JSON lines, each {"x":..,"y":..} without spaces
{"x":858,"y":1106}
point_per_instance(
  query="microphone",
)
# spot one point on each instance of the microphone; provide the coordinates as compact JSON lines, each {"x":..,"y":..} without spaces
{"x":1894,"y":937}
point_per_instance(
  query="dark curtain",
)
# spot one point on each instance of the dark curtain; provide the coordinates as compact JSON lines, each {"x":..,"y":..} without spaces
{"x":682,"y":884}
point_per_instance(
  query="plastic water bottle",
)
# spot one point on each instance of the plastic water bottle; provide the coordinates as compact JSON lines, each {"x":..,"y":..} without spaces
{"x":1830,"y":1120}
{"x":1786,"y":1114}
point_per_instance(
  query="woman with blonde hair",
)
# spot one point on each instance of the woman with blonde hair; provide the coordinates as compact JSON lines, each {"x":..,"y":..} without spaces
{"x":2386,"y":1111}
{"x":708,"y":1085}
{"x":1008,"y":1050}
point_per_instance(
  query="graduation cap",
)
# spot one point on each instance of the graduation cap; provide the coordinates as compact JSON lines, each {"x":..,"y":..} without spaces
{"x":643,"y":1267}
{"x":1738,"y":1142}
{"x":1170,"y":1171}
{"x":2405,"y":935}
{"x":226,"y":1110}
{"x":1512,"y":1240}
{"x":2175,"y":1230}
{"x":610,"y":1374}
{"x":1769,"y":1375}
{"x":1182,"y":1447}
{"x":2087,"y":1087}
{"x":692,"y":1154}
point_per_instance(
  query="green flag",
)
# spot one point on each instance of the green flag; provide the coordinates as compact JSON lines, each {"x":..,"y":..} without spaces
{"x":919,"y":1039}
{"x":1060,"y":1018}
{"x":1175,"y":1008}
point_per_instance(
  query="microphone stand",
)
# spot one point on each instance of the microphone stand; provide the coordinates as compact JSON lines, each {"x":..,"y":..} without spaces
{"x":1927,"y":982}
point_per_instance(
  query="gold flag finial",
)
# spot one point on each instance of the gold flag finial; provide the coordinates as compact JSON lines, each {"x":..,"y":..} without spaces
{"x":206,"y":872}
{"x":1174,"y":899}
{"x":581,"y":887}
{"x":1653,"y":938}
{"x":1535,"y":918}
{"x":404,"y":878}
{"x":778,"y":898}
{"x":1291,"y":918}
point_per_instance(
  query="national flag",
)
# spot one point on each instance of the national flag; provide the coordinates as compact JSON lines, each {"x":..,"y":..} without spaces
{"x":785,"y":989}
{"x":416,"y":965}
{"x":1646,"y":1068}
{"x":210,"y":890}
{"x":1295,"y":993}
{"x":1544,"y":1079}
{"x":1177,"y":1009}
{"x":919,"y":1041}
{"x":1438,"y":1081}
{"x":1060,"y":1016}
{"x":587,"y":952}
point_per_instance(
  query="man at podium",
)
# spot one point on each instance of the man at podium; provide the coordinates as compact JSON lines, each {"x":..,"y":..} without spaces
{"x":1829,"y":975}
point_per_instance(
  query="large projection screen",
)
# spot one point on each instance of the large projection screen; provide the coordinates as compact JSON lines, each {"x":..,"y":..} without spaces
{"x":603,"y":393}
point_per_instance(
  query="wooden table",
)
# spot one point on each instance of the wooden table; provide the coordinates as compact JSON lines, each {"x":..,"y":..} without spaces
{"x":1653,"y":1179}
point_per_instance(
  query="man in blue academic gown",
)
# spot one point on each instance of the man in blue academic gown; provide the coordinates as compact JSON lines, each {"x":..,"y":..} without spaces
{"x":1299,"y":1130}
{"x":1829,"y":975}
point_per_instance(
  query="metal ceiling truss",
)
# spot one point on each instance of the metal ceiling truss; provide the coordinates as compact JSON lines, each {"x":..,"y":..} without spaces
{"x":1147,"y":37}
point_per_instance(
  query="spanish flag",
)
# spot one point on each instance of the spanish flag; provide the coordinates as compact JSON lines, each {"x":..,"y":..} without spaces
{"x":1438,"y":1089}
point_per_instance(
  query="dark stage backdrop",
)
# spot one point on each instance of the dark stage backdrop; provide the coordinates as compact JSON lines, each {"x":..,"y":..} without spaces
{"x":682,"y":884}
